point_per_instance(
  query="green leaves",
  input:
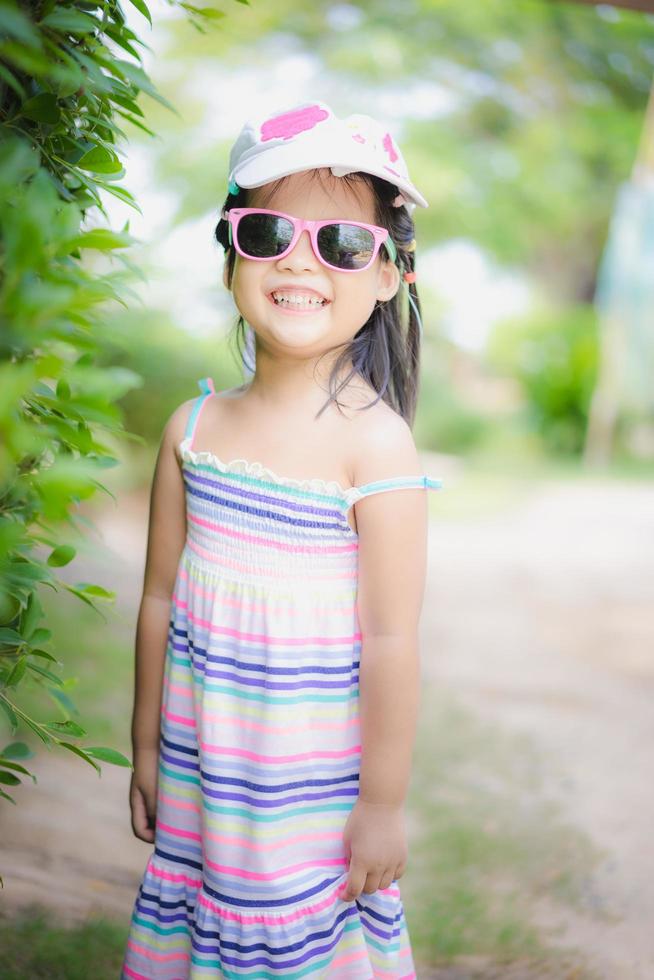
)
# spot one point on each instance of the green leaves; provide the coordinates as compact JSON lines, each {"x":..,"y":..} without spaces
{"x":142,"y":8}
{"x":61,"y":555}
{"x":100,"y":160}
{"x":17,"y":750}
{"x":84,"y":589}
{"x":17,"y":672}
{"x":70,"y":20}
{"x":64,"y":96}
{"x":42,"y":108}
{"x":98,"y":752}
{"x":59,"y":414}
{"x":103,"y":239}
{"x":9,"y":637}
{"x":209,"y":12}
{"x":17,"y":25}
{"x":108,"y":755}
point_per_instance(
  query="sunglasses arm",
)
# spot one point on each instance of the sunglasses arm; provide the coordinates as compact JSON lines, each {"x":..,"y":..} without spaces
{"x":389,"y":245}
{"x":225,"y":216}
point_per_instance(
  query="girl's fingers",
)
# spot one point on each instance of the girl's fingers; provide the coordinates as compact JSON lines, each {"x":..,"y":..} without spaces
{"x":142,"y":825}
{"x":138,"y":813}
{"x":372,"y":883}
{"x":355,"y":882}
{"x":150,"y":803}
{"x":369,"y":882}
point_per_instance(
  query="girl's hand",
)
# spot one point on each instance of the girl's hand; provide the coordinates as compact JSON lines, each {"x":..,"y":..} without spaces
{"x":143,"y":793}
{"x":376,"y":847}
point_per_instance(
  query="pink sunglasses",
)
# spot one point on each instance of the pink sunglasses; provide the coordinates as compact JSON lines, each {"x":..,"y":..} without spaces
{"x":347,"y":246}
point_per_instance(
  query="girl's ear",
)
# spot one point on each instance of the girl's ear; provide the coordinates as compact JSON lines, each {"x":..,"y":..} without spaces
{"x":225,"y":265}
{"x":389,"y":281}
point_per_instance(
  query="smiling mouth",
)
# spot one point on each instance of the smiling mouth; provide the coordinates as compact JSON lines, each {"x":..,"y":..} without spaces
{"x":297,"y":301}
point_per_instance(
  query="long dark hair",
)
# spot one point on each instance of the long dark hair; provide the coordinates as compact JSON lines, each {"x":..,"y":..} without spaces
{"x":384,"y":351}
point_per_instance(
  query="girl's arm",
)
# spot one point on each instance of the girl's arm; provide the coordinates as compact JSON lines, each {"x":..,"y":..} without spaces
{"x":392,"y":528}
{"x":166,"y":536}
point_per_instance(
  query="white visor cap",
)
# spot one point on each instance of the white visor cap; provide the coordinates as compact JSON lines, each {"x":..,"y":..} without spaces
{"x":309,"y":136}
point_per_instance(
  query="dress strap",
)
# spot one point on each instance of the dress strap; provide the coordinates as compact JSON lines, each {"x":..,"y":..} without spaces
{"x":207,"y":388}
{"x":354,"y":494}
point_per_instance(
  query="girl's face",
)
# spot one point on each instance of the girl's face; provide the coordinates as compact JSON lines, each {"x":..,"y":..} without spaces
{"x":350,"y":296}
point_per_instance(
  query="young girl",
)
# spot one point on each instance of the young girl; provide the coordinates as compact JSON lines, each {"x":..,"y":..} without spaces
{"x":277,"y":665}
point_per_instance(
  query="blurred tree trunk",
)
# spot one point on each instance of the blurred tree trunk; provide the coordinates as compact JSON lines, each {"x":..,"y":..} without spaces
{"x":614,"y":327}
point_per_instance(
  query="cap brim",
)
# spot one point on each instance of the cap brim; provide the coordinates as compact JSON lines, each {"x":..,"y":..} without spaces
{"x":281,"y":161}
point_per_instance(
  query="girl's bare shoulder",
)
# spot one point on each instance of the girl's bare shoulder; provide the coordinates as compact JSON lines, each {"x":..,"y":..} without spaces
{"x":372,"y":414}
{"x":380,"y":441}
{"x":175,"y":427}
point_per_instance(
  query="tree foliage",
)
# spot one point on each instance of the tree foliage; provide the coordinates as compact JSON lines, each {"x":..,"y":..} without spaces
{"x":519,"y":120}
{"x":70,"y":72}
{"x":553,"y":354}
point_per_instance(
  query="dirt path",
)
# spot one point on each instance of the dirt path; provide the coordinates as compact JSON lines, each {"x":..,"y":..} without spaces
{"x":542,"y":620}
{"x":539,"y":619}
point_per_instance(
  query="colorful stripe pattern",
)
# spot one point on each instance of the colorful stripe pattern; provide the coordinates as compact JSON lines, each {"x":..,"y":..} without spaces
{"x":260,"y":747}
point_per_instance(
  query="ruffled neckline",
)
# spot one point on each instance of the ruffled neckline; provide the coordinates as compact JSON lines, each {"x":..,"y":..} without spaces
{"x":256,"y":469}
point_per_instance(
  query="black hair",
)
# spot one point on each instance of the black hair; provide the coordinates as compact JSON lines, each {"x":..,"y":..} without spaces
{"x":384,"y":351}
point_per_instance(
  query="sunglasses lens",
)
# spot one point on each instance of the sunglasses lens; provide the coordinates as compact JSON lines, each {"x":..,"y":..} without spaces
{"x":341,"y":245}
{"x":346,"y":246}
{"x":264,"y":235}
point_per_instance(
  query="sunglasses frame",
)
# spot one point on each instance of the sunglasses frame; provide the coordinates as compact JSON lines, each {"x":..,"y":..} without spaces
{"x":381,"y":236}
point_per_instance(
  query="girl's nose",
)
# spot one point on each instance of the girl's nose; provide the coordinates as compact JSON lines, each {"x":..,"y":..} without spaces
{"x":301,"y":255}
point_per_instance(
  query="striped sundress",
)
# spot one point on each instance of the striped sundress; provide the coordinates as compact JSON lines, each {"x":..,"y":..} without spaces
{"x":260,"y":741}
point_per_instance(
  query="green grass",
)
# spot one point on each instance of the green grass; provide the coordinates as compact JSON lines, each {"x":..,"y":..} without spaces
{"x":486,"y":845}
{"x":34,"y":947}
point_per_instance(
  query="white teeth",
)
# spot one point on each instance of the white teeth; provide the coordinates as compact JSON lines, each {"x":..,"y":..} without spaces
{"x":291,"y":299}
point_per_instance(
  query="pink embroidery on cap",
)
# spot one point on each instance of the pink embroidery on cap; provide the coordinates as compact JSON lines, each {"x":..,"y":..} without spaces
{"x":390,"y":170}
{"x":358,"y":137}
{"x":289,"y":124}
{"x":387,"y":143}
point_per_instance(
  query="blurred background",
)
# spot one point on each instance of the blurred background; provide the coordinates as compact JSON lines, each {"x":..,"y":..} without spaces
{"x":529,"y":128}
